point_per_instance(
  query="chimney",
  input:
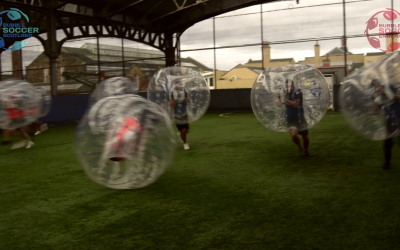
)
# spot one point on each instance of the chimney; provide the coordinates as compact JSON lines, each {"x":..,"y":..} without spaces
{"x":326,"y":63}
{"x":317,"y":55}
{"x":266,"y":54}
{"x":392,"y":39}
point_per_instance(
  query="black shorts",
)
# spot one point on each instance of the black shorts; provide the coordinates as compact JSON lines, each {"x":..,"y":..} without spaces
{"x":392,"y":125}
{"x":300,"y":126}
{"x":182,"y":126}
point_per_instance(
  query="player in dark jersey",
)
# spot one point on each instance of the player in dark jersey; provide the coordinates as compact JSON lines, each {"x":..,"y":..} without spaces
{"x":388,"y":100}
{"x":295,"y":117}
{"x":179,"y":101}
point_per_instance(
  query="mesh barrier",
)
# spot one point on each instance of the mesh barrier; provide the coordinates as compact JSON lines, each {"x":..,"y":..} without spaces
{"x":229,"y":50}
{"x":236,"y":46}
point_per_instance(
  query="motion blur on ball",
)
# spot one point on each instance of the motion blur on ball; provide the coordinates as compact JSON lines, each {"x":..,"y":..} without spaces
{"x":182,"y":92}
{"x":125,"y":142}
{"x":21,"y":104}
{"x":113,"y":86}
{"x":370,"y":101}
{"x":294,"y":82}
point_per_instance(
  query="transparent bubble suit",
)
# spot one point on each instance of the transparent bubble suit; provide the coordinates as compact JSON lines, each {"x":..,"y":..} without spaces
{"x":271,"y":111}
{"x":179,"y":83}
{"x":127,"y":126}
{"x":113,"y":86}
{"x":20,"y":104}
{"x":358,"y":98}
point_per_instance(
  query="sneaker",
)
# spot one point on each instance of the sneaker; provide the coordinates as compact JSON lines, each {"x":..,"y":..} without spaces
{"x":386,"y":166}
{"x":37,"y":133}
{"x":30,"y":144}
{"x":186,"y":146}
{"x":20,"y":144}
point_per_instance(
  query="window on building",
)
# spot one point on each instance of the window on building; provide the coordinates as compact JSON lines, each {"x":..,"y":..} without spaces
{"x":211,"y":80}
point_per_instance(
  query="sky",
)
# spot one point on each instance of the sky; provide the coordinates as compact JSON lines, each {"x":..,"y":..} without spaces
{"x":283,"y":21}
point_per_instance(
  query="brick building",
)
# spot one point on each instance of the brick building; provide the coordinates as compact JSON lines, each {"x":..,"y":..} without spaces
{"x":77,"y":68}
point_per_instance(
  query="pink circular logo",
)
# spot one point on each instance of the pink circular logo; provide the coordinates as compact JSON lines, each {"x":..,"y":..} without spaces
{"x":382,"y":21}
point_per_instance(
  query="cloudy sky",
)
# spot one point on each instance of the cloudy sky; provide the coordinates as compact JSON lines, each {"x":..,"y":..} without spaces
{"x":283,"y":21}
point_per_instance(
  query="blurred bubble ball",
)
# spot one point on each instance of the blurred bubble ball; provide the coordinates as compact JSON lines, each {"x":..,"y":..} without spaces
{"x":21,"y":104}
{"x":182,"y":92}
{"x":367,"y":98}
{"x":113,"y":86}
{"x":270,"y":110}
{"x":125,"y":142}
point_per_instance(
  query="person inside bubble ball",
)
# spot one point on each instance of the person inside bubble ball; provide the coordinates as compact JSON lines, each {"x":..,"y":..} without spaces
{"x":388,"y":100}
{"x":122,"y":143}
{"x":179,"y":101}
{"x":16,"y":114}
{"x":295,"y":117}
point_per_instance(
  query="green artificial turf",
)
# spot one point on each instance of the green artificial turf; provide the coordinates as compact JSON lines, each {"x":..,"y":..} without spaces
{"x":240,"y":186}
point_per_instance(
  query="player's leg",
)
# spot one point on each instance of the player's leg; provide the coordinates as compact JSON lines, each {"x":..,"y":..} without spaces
{"x":25,"y":135}
{"x":37,"y":127}
{"x":27,"y":140}
{"x":306,"y":142}
{"x":183,"y":131}
{"x":296,"y":140}
{"x":387,"y":148}
{"x":6,"y":136}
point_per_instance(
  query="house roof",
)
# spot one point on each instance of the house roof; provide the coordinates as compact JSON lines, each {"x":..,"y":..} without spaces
{"x":337,"y":52}
{"x":282,"y":60}
{"x":335,"y":64}
{"x":273,"y":60}
{"x":134,"y":57}
{"x":256,"y":70}
{"x":195,"y":62}
{"x":376,"y":54}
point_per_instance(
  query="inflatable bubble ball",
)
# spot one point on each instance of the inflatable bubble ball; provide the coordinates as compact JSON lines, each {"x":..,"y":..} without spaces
{"x":290,"y":97}
{"x":21,"y":104}
{"x":112,"y":87}
{"x":182,"y":92}
{"x":370,"y":98}
{"x":125,"y":142}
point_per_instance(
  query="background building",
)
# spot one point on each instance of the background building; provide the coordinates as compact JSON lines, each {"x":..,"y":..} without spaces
{"x":77,"y":68}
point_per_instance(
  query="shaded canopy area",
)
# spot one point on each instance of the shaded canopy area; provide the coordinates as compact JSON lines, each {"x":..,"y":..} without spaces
{"x":164,"y":15}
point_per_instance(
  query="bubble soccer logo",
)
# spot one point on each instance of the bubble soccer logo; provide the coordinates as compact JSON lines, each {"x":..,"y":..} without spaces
{"x":16,"y":29}
{"x":384,"y":22}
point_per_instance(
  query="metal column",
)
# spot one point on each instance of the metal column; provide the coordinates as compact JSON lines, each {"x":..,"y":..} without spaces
{"x":262,"y":37}
{"x":345,"y":38}
{"x":170,"y":59}
{"x":52,"y":48}
{"x":215,"y":57}
{"x":98,"y":60}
